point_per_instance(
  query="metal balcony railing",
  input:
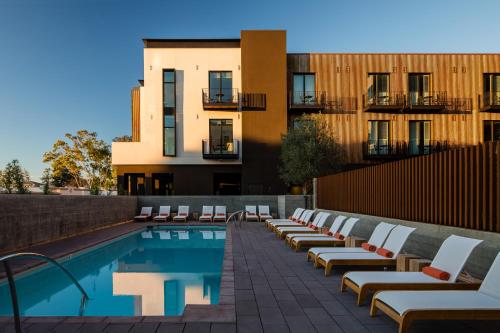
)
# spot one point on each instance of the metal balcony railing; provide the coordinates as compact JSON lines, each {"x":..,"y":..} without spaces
{"x":490,"y":102}
{"x":341,"y":105}
{"x":220,"y":98}
{"x":252,"y":101}
{"x":220,"y":150}
{"x":384,"y":101}
{"x":307,"y":100}
{"x":376,"y":149}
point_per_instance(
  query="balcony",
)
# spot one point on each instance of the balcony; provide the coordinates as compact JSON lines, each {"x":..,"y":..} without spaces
{"x":341,"y":105}
{"x":306,"y":101}
{"x":218,"y":150}
{"x":428,"y":102}
{"x":383,"y":149}
{"x":220,"y":99}
{"x":490,"y":102}
{"x":252,"y":101}
{"x":392,"y":102}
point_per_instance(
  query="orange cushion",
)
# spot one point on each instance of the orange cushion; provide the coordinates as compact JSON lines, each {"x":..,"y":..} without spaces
{"x":338,"y":235}
{"x":327,"y":232}
{"x":144,"y":214}
{"x":369,"y":247}
{"x":313,"y":227}
{"x":436,"y":273}
{"x":183,"y":214}
{"x":385,"y":253}
{"x":163,"y":214}
{"x":220,"y":214}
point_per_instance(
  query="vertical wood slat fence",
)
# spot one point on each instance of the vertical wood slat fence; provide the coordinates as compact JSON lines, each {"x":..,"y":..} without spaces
{"x":459,"y":187}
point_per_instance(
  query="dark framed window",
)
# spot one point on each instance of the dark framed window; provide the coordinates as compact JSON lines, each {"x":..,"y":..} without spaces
{"x":491,"y":88}
{"x":221,"y":136}
{"x":378,"y":88}
{"x":304,"y":86}
{"x":221,"y":86}
{"x":419,"y":88}
{"x":420,"y":137}
{"x":378,"y":137}
{"x":491,"y":130}
{"x":169,"y":111}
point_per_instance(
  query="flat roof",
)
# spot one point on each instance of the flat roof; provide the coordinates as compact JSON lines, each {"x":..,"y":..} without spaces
{"x":191,"y":43}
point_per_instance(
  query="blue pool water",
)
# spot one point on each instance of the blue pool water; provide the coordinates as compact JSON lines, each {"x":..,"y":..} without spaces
{"x":150,"y":272}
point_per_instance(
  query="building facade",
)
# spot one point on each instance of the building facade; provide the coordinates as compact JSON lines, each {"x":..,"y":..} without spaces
{"x":209,"y":114}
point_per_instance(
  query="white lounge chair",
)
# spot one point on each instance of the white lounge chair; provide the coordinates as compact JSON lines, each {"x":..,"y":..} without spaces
{"x":271,"y":223}
{"x":377,"y":238}
{"x":441,"y":274}
{"x":220,"y":234}
{"x":303,"y":220}
{"x":264,"y":213}
{"x":220,"y":214}
{"x":313,"y":228}
{"x":384,"y":256}
{"x":163,"y":214}
{"x":145,"y":214}
{"x":182,"y":214}
{"x":332,"y":239}
{"x":207,"y":234}
{"x":207,"y":214}
{"x":251,"y":213}
{"x":406,"y":307}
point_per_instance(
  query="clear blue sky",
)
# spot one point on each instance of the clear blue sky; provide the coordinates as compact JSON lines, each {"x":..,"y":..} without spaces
{"x":67,"y":65}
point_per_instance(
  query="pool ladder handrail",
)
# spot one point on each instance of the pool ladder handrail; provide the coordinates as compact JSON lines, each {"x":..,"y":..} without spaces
{"x":12,"y":284}
{"x":240,"y":213}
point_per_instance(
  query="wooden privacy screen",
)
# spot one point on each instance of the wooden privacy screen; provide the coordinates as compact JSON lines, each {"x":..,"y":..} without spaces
{"x":459,"y":187}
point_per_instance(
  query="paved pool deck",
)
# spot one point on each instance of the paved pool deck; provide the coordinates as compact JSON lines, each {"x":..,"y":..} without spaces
{"x":274,"y":289}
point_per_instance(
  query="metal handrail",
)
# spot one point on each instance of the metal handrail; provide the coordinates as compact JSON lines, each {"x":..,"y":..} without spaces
{"x":240,"y":214}
{"x":12,"y":285}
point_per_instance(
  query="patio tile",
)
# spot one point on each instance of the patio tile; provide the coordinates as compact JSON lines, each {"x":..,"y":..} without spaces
{"x":223,"y":328}
{"x":170,"y":328}
{"x":248,"y":324}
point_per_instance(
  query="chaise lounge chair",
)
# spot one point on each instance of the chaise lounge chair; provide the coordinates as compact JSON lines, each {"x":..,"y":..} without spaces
{"x":144,"y":215}
{"x":220,"y":214}
{"x":384,"y":256}
{"x":264,"y":213}
{"x":377,"y":238}
{"x":163,"y":214}
{"x":182,"y":214}
{"x":251,"y":213}
{"x":290,"y":219}
{"x":313,"y":228}
{"x":207,"y":214}
{"x":407,"y":306}
{"x":303,"y":220}
{"x":335,"y":239}
{"x":440,"y":275}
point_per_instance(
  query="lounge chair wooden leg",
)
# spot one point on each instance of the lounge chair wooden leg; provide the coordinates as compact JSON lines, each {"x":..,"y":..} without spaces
{"x":373,"y":308}
{"x":328,"y":269}
{"x":362,"y":295}
{"x":316,"y":263}
{"x":404,"y":324}
{"x":309,"y":254}
{"x":342,"y":285}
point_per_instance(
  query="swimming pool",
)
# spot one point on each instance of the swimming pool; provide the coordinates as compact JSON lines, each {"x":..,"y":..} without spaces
{"x":152,"y":272}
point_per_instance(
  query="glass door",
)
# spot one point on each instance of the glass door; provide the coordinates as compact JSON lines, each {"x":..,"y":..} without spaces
{"x":221,"y":136}
{"x":221,"y":86}
{"x":378,"y":137}
{"x":378,"y":89}
{"x":419,"y":89}
{"x":420,"y":135}
{"x":304,"y":86}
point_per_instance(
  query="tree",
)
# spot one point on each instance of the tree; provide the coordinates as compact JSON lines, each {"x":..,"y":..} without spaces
{"x":123,"y":138}
{"x":83,"y":156}
{"x":46,"y":176}
{"x":15,"y":177}
{"x":309,"y":150}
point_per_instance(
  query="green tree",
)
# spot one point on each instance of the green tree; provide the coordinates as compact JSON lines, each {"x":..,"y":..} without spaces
{"x":83,"y":156}
{"x":46,"y":176}
{"x":14,"y":177}
{"x":123,"y":138}
{"x":309,"y":150}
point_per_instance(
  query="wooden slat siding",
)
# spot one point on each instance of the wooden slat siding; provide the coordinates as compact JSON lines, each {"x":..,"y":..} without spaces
{"x":136,"y":114}
{"x":352,"y":129}
{"x":465,"y":183}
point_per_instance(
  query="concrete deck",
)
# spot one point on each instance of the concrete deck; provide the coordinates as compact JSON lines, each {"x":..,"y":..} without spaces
{"x":275,"y":290}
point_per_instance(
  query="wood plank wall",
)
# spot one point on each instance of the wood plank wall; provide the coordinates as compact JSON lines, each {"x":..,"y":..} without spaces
{"x":459,"y":187}
{"x":135,"y":94}
{"x":345,"y":75}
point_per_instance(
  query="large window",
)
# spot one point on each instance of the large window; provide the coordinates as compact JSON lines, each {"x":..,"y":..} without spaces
{"x":378,"y":88}
{"x":221,"y":136}
{"x":304,"y":86}
{"x":169,"y":112}
{"x":221,"y":87}
{"x":491,"y":84}
{"x":378,"y":137}
{"x":491,"y":130}
{"x":419,"y":89}
{"x":420,"y":137}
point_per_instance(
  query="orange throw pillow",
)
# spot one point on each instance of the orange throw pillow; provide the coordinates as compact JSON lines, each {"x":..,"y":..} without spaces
{"x":313,"y":227}
{"x":327,"y":232}
{"x":385,"y":253}
{"x":369,"y":247}
{"x":338,"y":235}
{"x":436,"y":273}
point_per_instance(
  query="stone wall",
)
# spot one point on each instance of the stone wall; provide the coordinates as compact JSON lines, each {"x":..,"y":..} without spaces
{"x":427,"y":238}
{"x":31,"y":219}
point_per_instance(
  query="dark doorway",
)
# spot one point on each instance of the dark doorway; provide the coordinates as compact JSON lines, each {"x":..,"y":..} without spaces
{"x":163,"y":183}
{"x":227,"y":183}
{"x":134,"y":183}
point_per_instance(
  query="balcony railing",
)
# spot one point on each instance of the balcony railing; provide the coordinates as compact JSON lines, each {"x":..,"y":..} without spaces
{"x":390,"y":101}
{"x":252,"y":101}
{"x":341,"y":105}
{"x":385,"y":149}
{"x":490,"y":102}
{"x":220,"y":99}
{"x":307,"y":100}
{"x":435,"y":100}
{"x":219,"y":150}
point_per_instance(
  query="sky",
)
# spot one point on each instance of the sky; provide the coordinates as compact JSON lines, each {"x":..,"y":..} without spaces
{"x":67,"y":65}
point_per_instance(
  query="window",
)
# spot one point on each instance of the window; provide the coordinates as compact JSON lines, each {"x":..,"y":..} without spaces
{"x":420,"y":137}
{"x":169,"y":103}
{"x":378,"y":89}
{"x":419,"y":89}
{"x":221,"y":87}
{"x":221,"y":137}
{"x":378,"y":137}
{"x":491,"y":83}
{"x":491,"y":130}
{"x":304,"y":86}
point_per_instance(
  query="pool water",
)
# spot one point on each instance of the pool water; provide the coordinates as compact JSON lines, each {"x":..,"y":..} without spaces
{"x":147,"y":273}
